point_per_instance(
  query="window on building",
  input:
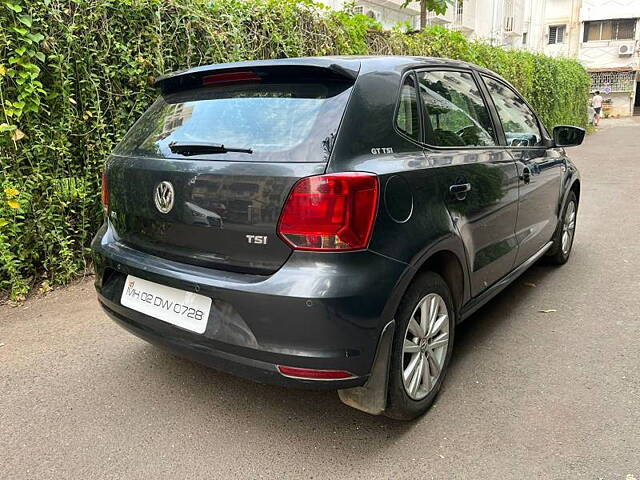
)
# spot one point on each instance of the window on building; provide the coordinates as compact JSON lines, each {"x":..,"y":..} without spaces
{"x":454,"y":112}
{"x":407,"y":118}
{"x":557,"y":34}
{"x":358,"y":10}
{"x":624,"y":29}
{"x":510,"y":9}
{"x":524,"y":38}
{"x":616,"y":81}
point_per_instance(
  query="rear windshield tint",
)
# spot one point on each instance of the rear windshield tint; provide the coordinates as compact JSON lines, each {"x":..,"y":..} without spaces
{"x":293,"y":122}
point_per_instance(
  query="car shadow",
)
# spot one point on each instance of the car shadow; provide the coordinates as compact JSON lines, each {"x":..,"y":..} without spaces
{"x":309,"y":415}
{"x":483,"y":324}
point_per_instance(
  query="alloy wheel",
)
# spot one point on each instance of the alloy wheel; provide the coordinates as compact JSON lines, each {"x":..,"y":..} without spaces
{"x":568,"y":227}
{"x":426,"y":342}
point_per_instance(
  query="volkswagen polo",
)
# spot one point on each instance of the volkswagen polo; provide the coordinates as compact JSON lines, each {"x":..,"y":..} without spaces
{"x":326,"y":222}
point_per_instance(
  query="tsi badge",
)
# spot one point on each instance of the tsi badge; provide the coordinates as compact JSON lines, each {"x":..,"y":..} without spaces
{"x":257,"y":239}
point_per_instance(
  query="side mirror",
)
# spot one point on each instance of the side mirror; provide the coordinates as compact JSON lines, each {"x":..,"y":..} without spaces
{"x":568,"y":136}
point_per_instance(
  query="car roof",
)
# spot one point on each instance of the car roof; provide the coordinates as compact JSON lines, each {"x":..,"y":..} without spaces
{"x":346,"y":65}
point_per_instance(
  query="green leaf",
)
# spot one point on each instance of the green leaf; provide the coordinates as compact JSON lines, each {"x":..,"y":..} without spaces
{"x":26,"y":20}
{"x":20,"y":30}
{"x":35,"y":37}
{"x":40,"y":56}
{"x":21,"y":50}
{"x":14,"y":6}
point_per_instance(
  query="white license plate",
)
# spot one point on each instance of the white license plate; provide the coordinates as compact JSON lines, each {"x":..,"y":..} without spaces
{"x":184,"y":309}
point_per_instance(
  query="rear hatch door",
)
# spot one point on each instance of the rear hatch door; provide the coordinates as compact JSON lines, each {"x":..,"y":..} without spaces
{"x":203,"y":176}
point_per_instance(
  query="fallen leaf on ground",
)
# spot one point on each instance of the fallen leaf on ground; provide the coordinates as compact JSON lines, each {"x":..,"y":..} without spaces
{"x":529,"y":284}
{"x":551,"y":310}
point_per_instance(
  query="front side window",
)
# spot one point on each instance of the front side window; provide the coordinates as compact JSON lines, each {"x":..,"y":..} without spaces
{"x":624,"y":29}
{"x":454,"y":111}
{"x":518,"y":121}
{"x":407,"y":118}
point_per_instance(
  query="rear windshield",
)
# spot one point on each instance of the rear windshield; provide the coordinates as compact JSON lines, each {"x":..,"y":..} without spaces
{"x":293,"y":122}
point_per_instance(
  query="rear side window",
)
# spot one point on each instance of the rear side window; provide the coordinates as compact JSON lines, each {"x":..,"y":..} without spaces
{"x":518,"y":121}
{"x":407,"y":118}
{"x":292,"y":122}
{"x":455,"y":114}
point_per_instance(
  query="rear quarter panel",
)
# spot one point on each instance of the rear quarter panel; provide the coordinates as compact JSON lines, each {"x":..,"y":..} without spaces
{"x":368,"y":142}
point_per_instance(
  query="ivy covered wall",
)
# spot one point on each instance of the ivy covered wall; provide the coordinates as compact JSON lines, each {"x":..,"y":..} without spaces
{"x":75,"y":75}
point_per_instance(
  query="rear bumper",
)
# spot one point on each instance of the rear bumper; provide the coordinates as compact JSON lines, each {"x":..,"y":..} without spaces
{"x":320,"y":311}
{"x":188,"y":345}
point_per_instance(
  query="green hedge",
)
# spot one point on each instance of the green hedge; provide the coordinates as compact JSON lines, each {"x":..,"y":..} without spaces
{"x":75,"y":74}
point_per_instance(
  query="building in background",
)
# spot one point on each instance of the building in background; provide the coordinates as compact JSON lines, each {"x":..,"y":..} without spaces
{"x":604,"y":35}
{"x":500,"y":22}
{"x":389,"y":13}
{"x":608,"y":41}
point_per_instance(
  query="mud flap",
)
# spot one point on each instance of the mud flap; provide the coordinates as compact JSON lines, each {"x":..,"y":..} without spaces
{"x":372,"y":396}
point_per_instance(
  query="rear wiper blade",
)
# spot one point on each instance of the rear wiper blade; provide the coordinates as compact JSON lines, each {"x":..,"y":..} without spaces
{"x":203,"y":148}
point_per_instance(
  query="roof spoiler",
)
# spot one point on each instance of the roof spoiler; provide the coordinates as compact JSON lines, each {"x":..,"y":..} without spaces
{"x":302,"y":69}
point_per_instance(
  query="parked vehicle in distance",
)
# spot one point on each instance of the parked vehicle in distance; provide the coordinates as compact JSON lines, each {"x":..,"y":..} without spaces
{"x":326,"y":222}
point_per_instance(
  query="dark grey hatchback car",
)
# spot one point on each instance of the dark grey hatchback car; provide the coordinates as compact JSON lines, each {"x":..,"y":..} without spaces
{"x":326,"y":222}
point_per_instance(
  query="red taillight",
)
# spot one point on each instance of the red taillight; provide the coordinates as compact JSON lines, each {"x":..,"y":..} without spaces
{"x":105,"y":192}
{"x":333,"y":212}
{"x":313,"y":374}
{"x":230,"y":77}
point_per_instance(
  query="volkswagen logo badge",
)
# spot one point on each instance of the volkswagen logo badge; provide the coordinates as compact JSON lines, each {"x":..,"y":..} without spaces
{"x":164,"y":197}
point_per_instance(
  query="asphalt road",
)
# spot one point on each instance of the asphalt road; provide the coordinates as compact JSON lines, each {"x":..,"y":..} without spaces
{"x":529,"y":394}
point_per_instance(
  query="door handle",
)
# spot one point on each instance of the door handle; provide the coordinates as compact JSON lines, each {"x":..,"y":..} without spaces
{"x":526,"y":175}
{"x":460,"y":190}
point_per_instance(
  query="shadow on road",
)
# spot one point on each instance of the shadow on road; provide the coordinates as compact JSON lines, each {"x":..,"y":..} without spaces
{"x":478,"y":329}
{"x":206,"y":394}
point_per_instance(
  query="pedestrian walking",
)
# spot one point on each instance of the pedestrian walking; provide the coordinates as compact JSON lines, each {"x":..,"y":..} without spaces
{"x":596,"y":103}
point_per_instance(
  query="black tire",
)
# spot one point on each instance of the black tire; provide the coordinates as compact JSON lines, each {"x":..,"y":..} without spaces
{"x":400,"y":405}
{"x":556,"y":255}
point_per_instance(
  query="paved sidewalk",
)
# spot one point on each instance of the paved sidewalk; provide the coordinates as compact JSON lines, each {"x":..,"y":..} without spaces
{"x":529,"y":394}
